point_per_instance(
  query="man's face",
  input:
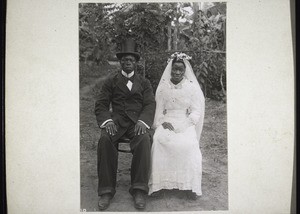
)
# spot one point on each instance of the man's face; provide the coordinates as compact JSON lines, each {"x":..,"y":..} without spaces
{"x":177,"y":72}
{"x":128,"y":63}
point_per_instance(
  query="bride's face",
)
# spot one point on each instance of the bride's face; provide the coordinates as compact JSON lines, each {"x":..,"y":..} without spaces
{"x":177,"y":72}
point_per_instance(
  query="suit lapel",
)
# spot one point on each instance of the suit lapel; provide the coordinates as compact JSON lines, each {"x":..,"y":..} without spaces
{"x":136,"y":84}
{"x":121,"y":83}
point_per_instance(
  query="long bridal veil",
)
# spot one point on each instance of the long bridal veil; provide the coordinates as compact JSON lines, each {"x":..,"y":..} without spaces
{"x":190,"y":76}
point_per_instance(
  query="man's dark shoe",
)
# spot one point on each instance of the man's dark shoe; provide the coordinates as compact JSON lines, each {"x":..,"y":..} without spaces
{"x":139,"y":199}
{"x":104,"y":201}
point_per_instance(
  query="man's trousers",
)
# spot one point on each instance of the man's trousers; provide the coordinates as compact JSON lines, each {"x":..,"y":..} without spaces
{"x":108,"y":160}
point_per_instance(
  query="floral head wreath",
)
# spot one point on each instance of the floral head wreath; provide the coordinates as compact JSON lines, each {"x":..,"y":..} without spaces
{"x":179,"y":56}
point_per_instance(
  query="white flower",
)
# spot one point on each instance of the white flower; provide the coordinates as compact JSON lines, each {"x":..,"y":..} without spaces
{"x":179,"y":56}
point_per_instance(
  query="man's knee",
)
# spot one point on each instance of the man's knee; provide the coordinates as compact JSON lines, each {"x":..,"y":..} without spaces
{"x":105,"y":141}
{"x":144,"y":140}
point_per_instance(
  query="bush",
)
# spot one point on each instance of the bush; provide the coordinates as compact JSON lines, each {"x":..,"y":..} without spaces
{"x":154,"y":68}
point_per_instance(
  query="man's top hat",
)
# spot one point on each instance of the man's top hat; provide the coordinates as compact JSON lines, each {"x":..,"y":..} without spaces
{"x":128,"y":47}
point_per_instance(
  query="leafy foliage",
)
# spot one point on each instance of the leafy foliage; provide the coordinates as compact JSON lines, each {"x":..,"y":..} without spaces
{"x":160,"y":29}
{"x":95,"y":32}
{"x":145,"y":23}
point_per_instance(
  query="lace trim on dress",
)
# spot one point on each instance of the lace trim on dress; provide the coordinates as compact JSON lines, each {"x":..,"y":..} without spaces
{"x":181,"y":181}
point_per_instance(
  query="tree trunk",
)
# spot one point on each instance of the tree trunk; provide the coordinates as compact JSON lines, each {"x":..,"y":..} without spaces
{"x":143,"y":60}
{"x":195,"y":16}
{"x":175,"y":35}
{"x":169,"y":37}
{"x":196,"y":7}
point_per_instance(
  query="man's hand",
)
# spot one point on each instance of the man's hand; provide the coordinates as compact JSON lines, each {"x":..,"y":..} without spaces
{"x":140,"y":128}
{"x":168,"y":125}
{"x":111,"y":128}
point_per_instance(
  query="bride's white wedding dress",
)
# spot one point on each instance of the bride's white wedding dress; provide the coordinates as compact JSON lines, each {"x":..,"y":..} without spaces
{"x":176,"y":157}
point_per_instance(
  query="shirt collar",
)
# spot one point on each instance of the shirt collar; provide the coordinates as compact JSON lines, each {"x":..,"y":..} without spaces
{"x":127,"y":75}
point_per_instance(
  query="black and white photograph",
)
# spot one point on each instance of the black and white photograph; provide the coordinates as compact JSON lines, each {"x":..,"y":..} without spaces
{"x":149,"y":106}
{"x":153,"y":122}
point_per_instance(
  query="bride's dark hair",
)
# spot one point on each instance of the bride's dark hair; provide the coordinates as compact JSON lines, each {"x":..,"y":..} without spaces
{"x":177,"y":60}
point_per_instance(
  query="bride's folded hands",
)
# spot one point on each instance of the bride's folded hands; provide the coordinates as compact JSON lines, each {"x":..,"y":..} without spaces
{"x":180,"y":128}
{"x":168,"y":125}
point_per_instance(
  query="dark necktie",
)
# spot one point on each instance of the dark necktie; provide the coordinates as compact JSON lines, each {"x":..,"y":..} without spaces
{"x":131,"y":78}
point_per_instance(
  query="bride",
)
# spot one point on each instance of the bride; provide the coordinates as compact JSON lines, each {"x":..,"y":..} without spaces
{"x":176,"y":161}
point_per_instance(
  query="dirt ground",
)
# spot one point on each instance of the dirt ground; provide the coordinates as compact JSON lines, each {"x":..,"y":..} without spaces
{"x":213,"y":148}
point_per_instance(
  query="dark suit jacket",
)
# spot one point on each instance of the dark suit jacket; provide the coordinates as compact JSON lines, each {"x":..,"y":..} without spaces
{"x":127,"y":106}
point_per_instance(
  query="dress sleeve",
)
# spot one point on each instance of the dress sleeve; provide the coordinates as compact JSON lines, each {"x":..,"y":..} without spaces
{"x":195,"y":108}
{"x":160,"y":106}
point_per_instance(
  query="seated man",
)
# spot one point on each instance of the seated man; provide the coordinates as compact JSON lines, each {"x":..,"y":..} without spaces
{"x":133,"y":107}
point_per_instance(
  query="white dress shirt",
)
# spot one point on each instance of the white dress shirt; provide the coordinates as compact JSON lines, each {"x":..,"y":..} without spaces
{"x":129,"y":83}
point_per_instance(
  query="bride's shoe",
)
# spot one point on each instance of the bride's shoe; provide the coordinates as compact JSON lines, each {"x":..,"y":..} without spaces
{"x":191,"y":195}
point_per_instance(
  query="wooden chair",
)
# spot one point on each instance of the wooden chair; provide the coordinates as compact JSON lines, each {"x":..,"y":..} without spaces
{"x":124,"y":142}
